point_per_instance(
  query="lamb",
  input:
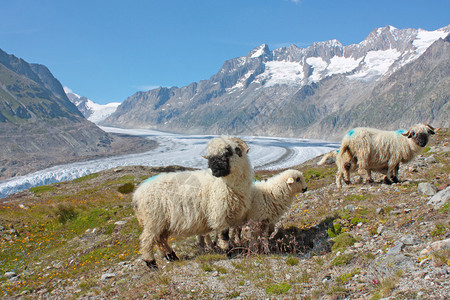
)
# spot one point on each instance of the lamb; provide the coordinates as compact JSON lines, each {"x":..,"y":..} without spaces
{"x":348,"y":162}
{"x":269,"y":201}
{"x":383,"y":151}
{"x":194,"y":202}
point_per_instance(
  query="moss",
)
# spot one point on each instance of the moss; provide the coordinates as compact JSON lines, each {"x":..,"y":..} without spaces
{"x":278,"y":289}
{"x":342,"y":259}
{"x":342,"y":241}
{"x":439,"y":229}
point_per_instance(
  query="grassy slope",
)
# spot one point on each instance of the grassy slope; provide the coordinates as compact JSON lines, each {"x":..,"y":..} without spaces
{"x":60,"y":239}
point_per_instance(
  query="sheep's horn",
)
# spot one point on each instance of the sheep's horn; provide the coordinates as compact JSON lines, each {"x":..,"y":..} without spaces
{"x":429,"y":126}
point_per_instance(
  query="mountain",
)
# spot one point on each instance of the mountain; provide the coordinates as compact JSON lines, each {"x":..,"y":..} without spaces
{"x":40,"y":127}
{"x":92,"y":111}
{"x":393,"y":78}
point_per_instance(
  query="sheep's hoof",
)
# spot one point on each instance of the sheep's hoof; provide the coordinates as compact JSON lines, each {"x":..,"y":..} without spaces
{"x":347,"y":182}
{"x":151,"y":264}
{"x":395,"y":179}
{"x":370,"y":181}
{"x":387,"y":181}
{"x":171,"y":256}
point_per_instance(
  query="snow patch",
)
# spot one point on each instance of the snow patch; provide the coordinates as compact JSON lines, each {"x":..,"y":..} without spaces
{"x":319,"y":66}
{"x":425,"y":38}
{"x":101,"y":112}
{"x":341,"y":64}
{"x":282,"y":72}
{"x":376,"y":64}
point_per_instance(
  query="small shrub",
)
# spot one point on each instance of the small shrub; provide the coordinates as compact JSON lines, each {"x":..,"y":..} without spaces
{"x":292,"y":261}
{"x":278,"y":289}
{"x":342,"y":259}
{"x":334,"y":230}
{"x":357,"y":220}
{"x":221,"y":270}
{"x":126,"y":188}
{"x":65,"y":213}
{"x":207,"y":267}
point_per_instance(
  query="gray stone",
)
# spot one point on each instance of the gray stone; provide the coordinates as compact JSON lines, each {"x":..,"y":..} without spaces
{"x":350,"y":208}
{"x":396,"y":249}
{"x":108,"y":276}
{"x":410,"y":241}
{"x":427,"y":188}
{"x":10,"y":275}
{"x":440,"y":198}
{"x":436,"y":246}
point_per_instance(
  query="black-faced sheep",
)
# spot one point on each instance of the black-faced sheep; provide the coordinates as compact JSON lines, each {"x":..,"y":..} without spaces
{"x":382,"y":151}
{"x":195,"y":202}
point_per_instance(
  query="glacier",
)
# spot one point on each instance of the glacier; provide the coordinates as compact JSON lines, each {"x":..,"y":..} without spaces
{"x":175,"y":149}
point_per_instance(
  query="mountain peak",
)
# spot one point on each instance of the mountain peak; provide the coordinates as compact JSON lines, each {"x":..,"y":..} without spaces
{"x":259,"y":51}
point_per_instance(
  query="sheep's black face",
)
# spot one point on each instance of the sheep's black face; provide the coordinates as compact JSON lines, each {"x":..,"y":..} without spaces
{"x":421,"y":139}
{"x":220,"y":164}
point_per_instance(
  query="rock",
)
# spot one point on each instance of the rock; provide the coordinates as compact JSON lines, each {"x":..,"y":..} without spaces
{"x":436,"y":246}
{"x":380,"y":211}
{"x":438,"y":200}
{"x":387,"y":266}
{"x":108,"y":276}
{"x":120,"y":223}
{"x":10,"y":275}
{"x":431,"y":159}
{"x":427,"y":188}
{"x":358,"y":245}
{"x":350,"y":208}
{"x":380,"y":229}
{"x":409,"y":241}
{"x":396,"y":249}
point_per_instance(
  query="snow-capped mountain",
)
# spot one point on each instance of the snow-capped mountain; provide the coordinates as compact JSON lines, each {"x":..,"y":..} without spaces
{"x":92,"y":111}
{"x":318,"y":91}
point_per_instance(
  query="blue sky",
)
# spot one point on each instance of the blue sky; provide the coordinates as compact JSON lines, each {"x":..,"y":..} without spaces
{"x":108,"y":50}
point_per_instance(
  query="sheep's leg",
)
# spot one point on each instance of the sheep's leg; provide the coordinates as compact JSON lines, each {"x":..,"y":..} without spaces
{"x":224,"y":240}
{"x":204,"y":241}
{"x":395,"y":174}
{"x":163,"y":244}
{"x":147,"y":241}
{"x":265,"y":228}
{"x":235,"y":235}
{"x":347,"y":167}
{"x":339,"y":175}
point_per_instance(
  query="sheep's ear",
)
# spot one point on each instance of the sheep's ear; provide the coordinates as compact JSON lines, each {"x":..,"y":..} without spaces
{"x":204,"y":157}
{"x":290,"y":180}
{"x":434,"y":131}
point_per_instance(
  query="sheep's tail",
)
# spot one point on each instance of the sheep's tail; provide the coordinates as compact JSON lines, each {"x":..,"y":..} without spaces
{"x":331,"y":154}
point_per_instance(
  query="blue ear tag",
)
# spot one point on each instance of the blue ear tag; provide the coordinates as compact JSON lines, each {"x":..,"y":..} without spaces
{"x":337,"y":151}
{"x":400,"y":131}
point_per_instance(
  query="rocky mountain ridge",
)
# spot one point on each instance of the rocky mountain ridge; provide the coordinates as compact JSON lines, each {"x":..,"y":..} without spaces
{"x":40,"y":127}
{"x":318,"y":91}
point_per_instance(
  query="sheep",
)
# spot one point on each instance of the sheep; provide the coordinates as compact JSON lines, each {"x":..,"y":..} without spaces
{"x":194,"y":202}
{"x":269,"y":201}
{"x":349,"y":163}
{"x":382,"y":151}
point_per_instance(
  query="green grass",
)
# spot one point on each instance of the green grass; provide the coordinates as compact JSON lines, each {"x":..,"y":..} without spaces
{"x":42,"y":189}
{"x":278,"y":289}
{"x":342,"y":241}
{"x":342,"y":259}
{"x":85,"y":178}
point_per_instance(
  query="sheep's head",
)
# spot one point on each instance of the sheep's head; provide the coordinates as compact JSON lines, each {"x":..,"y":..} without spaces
{"x":420,"y":133}
{"x":295,"y":180}
{"x":221,"y":151}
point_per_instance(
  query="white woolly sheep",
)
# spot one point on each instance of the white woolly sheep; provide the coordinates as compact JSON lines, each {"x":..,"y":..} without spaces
{"x":194,"y":202}
{"x":269,"y":201}
{"x":348,"y":162}
{"x":382,"y":151}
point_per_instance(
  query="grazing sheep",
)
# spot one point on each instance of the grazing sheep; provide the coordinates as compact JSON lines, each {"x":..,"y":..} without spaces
{"x":195,"y":202}
{"x":269,"y":201}
{"x":383,"y":151}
